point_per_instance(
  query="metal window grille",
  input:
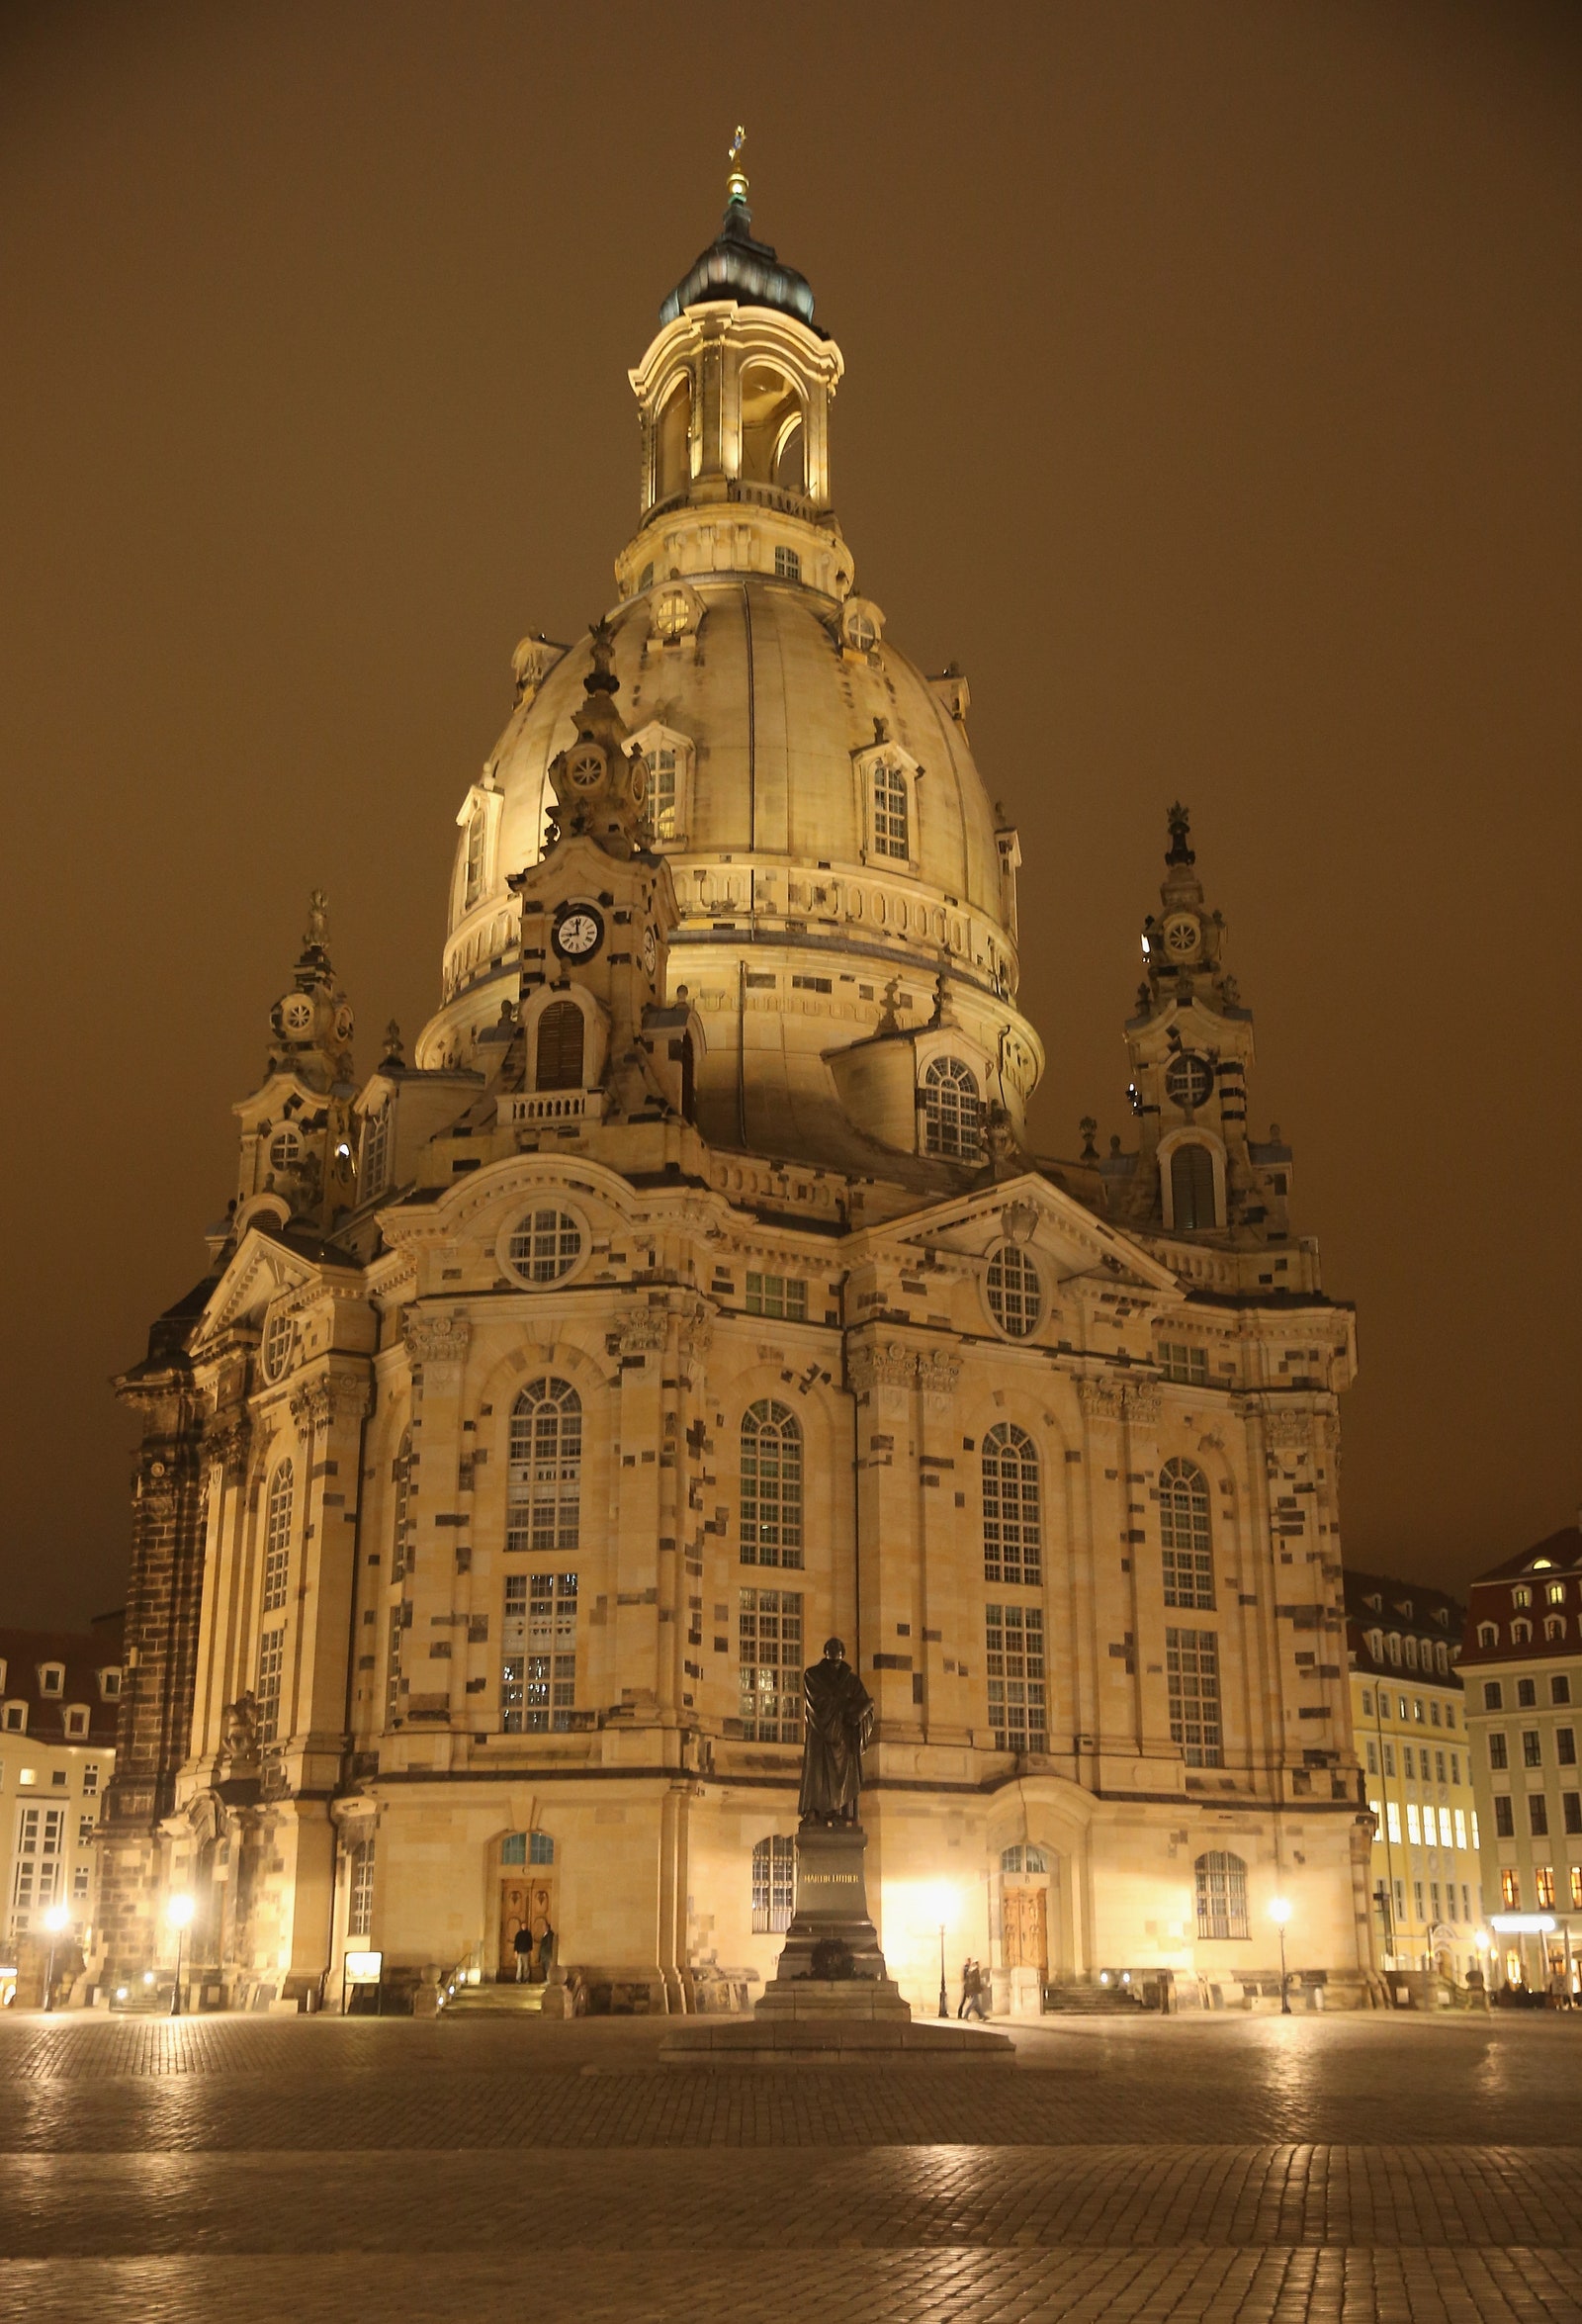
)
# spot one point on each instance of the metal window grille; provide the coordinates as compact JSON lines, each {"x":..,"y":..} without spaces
{"x":1221,"y":1895}
{"x":771,"y":1485}
{"x":775,"y":1883}
{"x":543,"y":1487}
{"x":277,"y":1537}
{"x":1014,"y":1658}
{"x":1184,"y":1532}
{"x":1192,"y":1670}
{"x":769,"y":1657}
{"x":951,"y":1110}
{"x":1013,"y":1542}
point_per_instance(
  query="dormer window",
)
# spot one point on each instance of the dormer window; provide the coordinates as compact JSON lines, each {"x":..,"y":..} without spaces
{"x":891,"y":818}
{"x":1375,"y":1641}
{"x":1392,"y":1647}
{"x":15,"y":1717}
{"x":1521,"y":1632}
{"x":77,"y":1721}
{"x":1521,"y":1595}
{"x":1554,"y":1626}
{"x":1487,"y":1635}
{"x":51,"y":1678}
{"x":1554,"y":1592}
{"x":110,"y":1683}
{"x":951,"y":1110}
{"x":668,"y":756}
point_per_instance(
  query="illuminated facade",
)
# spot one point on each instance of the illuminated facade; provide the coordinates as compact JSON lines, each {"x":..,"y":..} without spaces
{"x":1409,"y":1715}
{"x":59,"y":1695}
{"x":1521,"y":1664}
{"x":691,"y":1295}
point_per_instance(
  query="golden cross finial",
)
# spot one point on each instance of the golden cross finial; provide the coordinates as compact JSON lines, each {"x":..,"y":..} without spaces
{"x":736,"y":185}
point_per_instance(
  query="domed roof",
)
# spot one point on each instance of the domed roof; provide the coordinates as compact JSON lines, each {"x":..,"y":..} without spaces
{"x":775,"y":712}
{"x":734,"y":266}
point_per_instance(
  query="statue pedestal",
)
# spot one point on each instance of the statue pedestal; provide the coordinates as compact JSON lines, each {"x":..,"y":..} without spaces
{"x":831,"y":1919}
{"x":807,"y":2017}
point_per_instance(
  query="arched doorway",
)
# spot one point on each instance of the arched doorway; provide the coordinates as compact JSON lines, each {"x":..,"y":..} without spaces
{"x":1025,"y":1929}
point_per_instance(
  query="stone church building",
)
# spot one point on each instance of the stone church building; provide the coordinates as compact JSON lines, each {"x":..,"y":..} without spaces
{"x":690,"y":1295}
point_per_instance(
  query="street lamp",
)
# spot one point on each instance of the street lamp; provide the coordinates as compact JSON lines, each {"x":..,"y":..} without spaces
{"x":179,"y":1913}
{"x":1280,"y":1911}
{"x":55,"y":1920}
{"x":942,"y":1903}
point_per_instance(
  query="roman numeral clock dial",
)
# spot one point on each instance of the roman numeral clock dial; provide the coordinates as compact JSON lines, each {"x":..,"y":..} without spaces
{"x":578,"y":931}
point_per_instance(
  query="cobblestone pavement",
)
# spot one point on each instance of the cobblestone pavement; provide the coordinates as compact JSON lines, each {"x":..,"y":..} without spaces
{"x":1357,"y":2171}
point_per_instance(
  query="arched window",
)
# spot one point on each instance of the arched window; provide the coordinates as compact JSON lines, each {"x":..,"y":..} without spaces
{"x":1012,"y":1524}
{"x":1184,"y":1534}
{"x":1392,"y":1647}
{"x":774,"y":1885}
{"x":1409,"y":1650}
{"x":277,"y":1535}
{"x":1554,"y":1627}
{"x":950,"y":1111}
{"x":771,"y":417}
{"x":673,"y":460}
{"x":543,"y":1500}
{"x":790,"y":457}
{"x":527,"y":1847}
{"x":1487,"y":1635}
{"x":400,"y":1471}
{"x":1221,"y":1895}
{"x":1521,"y":1633}
{"x":472,"y":871}
{"x":1023,"y":1859}
{"x":560,"y":1048}
{"x":771,"y":1485}
{"x":1191,"y":1188}
{"x":891,"y":833}
{"x":376,"y":1151}
{"x":285,"y":1150}
{"x":661,"y":794}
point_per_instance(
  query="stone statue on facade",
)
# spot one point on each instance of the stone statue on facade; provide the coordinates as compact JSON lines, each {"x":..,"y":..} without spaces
{"x":837,"y":1719}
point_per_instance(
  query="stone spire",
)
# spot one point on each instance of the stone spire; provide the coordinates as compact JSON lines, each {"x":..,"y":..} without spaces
{"x":312,"y":1023}
{"x":598,"y":789}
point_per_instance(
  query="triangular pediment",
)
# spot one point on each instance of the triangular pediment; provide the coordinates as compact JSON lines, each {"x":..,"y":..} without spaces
{"x":1030,"y":1209}
{"x":262,"y":1268}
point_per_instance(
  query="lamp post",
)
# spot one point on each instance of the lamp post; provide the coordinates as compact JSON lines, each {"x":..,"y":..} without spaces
{"x":178,"y":1912}
{"x":55,"y":1920}
{"x":942,"y":1903}
{"x":1280,"y":1911}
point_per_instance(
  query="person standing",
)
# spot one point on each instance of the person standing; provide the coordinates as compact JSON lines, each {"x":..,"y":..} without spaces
{"x":522,"y":1947}
{"x":546,"y":1953}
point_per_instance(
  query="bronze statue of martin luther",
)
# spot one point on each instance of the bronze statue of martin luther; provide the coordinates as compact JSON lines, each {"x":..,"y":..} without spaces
{"x":838,"y":1720}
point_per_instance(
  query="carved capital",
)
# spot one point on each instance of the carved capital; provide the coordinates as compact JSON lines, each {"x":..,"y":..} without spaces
{"x":1099,"y":1399}
{"x":697,"y":1328}
{"x":890,"y":1366}
{"x":940,"y":1375}
{"x":1288,"y":1431}
{"x":642,"y":1329}
{"x":1144,"y":1403}
{"x":318,"y":1405}
{"x":435,"y":1339}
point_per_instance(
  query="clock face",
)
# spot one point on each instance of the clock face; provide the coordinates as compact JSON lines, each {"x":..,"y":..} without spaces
{"x":343,"y":1024}
{"x":579,"y":933}
{"x":296,"y":1012}
{"x":587,"y":768}
{"x":1181,"y":937}
{"x":651,"y":951}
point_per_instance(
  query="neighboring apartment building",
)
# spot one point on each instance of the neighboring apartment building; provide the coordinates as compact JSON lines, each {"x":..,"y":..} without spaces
{"x":59,"y":1695}
{"x":1409,"y":1718}
{"x":1523,"y":1665}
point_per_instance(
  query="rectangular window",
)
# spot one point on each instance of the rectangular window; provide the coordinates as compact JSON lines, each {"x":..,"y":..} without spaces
{"x":889,"y":813}
{"x":1190,"y":1366}
{"x":1433,"y":1898}
{"x":1576,"y":1888}
{"x":1390,"y":1758}
{"x":1433,"y":1707}
{"x":1504,"y":1821}
{"x":39,"y":1875}
{"x":1493,"y":1695}
{"x":360,"y":1891}
{"x":1526,"y":1693}
{"x":1543,"y":1887}
{"x":662,"y":804}
{"x":538,"y":1655}
{"x":271,"y":1663}
{"x":774,"y":1881}
{"x":1221,"y":1895}
{"x":1532,"y":1748}
{"x":81,"y":1880}
{"x":90,"y":1779}
{"x":1191,"y":1667}
{"x":1449,"y":1715}
{"x":85,"y":1831}
{"x":1400,"y":1901}
{"x":1565,"y":1745}
{"x":1367,"y":1702}
{"x":1537,"y":1814}
{"x":1455,"y":1766}
{"x":1444,"y":1828}
{"x":769,"y":1629}
{"x":1373,"y":1756}
{"x":1376,"y":1809}
{"x":1417,"y":1900}
{"x":778,"y":1294}
{"x":392,"y":1664}
{"x":1498,"y":1754}
{"x":1392,"y":1815}
{"x":1407,"y":1764}
{"x":1439,"y":1767}
{"x":1015,"y":1643}
{"x":1460,"y":1829}
{"x":1473,"y":1819}
{"x":787,"y":564}
{"x":1412,"y":1830}
{"x":1559,"y":1688}
{"x":1187,"y":1551}
{"x":1571,"y":1809}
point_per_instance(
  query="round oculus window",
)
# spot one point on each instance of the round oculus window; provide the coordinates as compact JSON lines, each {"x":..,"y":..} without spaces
{"x":1015,"y":1294}
{"x":544,"y":1245}
{"x":285,"y":1150}
{"x":1182,"y":937}
{"x":296,"y":1012}
{"x":1189,"y":1082}
{"x":672,"y":614}
{"x":587,"y":768}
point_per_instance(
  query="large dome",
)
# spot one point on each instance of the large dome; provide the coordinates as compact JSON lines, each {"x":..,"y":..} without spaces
{"x":841,"y":877}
